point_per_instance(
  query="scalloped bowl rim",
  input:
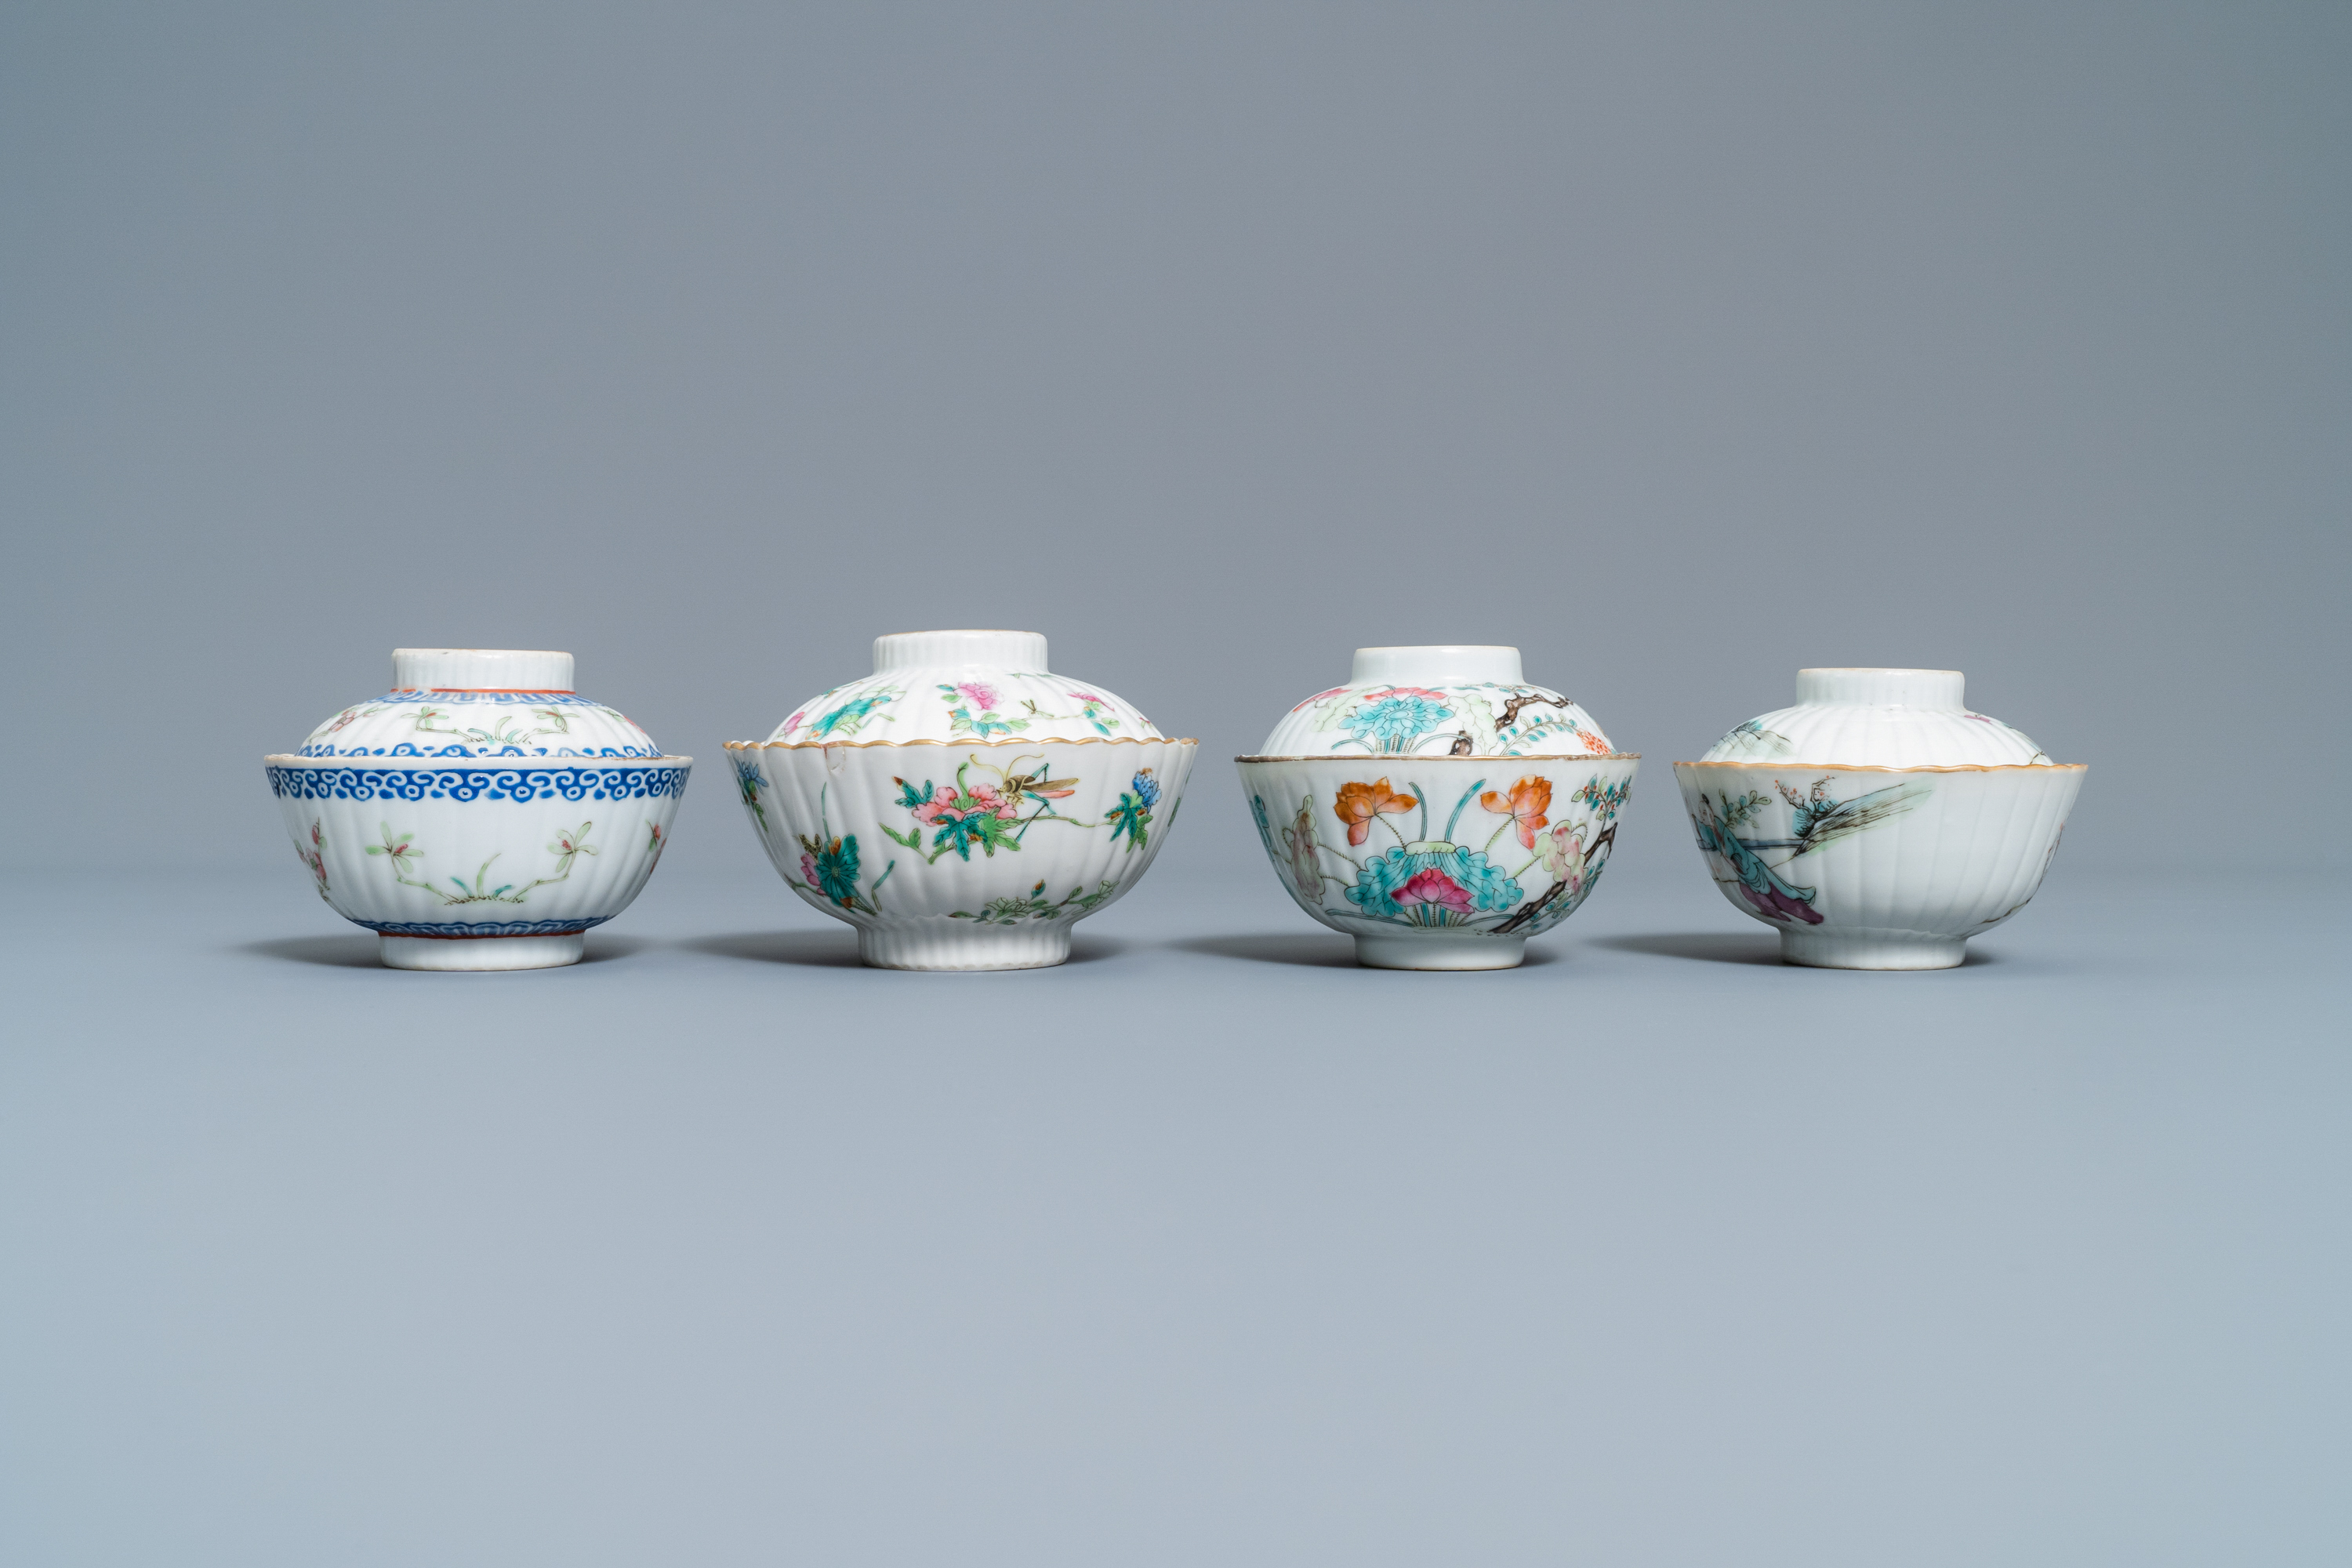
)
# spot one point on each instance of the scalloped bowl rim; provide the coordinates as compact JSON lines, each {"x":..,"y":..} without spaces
{"x":1039,"y":741}
{"x":1417,"y":759}
{"x":1789,"y":765}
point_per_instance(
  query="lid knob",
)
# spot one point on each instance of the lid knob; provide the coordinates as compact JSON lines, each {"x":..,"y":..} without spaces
{"x":1933,"y":688}
{"x":480,"y":669}
{"x":1440,"y":663}
{"x":1016,"y":651}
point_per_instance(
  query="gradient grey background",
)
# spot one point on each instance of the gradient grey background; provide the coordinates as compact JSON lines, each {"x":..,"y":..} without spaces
{"x":1682,"y":346}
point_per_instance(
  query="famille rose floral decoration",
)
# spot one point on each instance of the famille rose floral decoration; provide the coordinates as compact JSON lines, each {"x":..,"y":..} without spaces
{"x":1386,"y":714}
{"x":961,"y":701}
{"x":1878,"y":824}
{"x":962,"y":806}
{"x":481,"y":815}
{"x":1437,"y":808}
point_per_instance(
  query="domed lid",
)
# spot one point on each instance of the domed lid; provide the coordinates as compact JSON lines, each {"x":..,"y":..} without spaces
{"x":1447,"y":699}
{"x":961,"y":686}
{"x":479,"y":702}
{"x":1877,"y":717}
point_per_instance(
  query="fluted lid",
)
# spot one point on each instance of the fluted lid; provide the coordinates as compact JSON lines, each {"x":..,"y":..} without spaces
{"x":1437,"y":700}
{"x":479,"y":702}
{"x":962,"y":686}
{"x":1878,"y":717}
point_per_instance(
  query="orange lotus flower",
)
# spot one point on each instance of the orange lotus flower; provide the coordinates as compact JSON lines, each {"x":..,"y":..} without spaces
{"x":1357,"y":803}
{"x":1525,"y":806}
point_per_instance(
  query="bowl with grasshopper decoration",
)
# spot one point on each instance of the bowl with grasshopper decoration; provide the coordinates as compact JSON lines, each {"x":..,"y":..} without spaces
{"x":1877,"y":823}
{"x":482,"y":813}
{"x":1438,"y":808}
{"x":962,"y":807}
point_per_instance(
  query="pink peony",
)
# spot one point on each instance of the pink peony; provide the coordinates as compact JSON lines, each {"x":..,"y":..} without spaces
{"x":942,"y":803}
{"x":983,"y":696}
{"x":989,"y":798}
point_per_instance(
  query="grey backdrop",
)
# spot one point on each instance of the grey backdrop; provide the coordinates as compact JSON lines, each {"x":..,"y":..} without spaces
{"x":1681,"y":346}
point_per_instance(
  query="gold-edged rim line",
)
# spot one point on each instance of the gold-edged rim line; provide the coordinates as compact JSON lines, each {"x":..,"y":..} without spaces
{"x":1039,"y":741}
{"x":1921,"y":768}
{"x":503,"y":762}
{"x":1417,"y":758}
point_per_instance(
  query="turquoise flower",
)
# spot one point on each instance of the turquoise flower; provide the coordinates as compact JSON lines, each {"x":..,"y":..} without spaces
{"x":831,"y":866}
{"x":1466,"y":882}
{"x":1394,"y":722}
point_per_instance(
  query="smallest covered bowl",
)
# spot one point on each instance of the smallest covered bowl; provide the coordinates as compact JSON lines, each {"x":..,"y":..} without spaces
{"x":1878,"y":824}
{"x":1438,"y":808}
{"x":481,"y":815}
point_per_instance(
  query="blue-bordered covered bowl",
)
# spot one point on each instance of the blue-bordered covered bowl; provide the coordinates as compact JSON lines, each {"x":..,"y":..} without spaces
{"x":482,"y":813}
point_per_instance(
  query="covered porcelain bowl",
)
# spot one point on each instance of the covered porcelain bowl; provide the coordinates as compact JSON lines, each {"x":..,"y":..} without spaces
{"x":482,"y":813}
{"x":962,"y":807}
{"x":1878,"y":823}
{"x":1438,"y":808}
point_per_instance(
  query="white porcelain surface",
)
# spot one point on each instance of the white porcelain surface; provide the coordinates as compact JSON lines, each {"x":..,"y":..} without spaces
{"x":1439,"y":700}
{"x":963,"y":686}
{"x":963,"y":856}
{"x":479,"y":702}
{"x":962,"y":814}
{"x":1877,"y":823}
{"x":1438,"y":862}
{"x":1877,"y":717}
{"x":479,"y":859}
{"x":1438,"y":808}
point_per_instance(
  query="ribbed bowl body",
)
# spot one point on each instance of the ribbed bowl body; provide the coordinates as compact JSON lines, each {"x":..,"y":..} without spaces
{"x":1439,"y":862}
{"x":1874,"y":868}
{"x":524,"y":849}
{"x":962,"y":855}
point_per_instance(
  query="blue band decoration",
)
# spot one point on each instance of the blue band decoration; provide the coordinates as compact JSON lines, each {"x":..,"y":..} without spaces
{"x":451,"y":698}
{"x":410,"y":748}
{"x":481,"y":928}
{"x":517,"y":784}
